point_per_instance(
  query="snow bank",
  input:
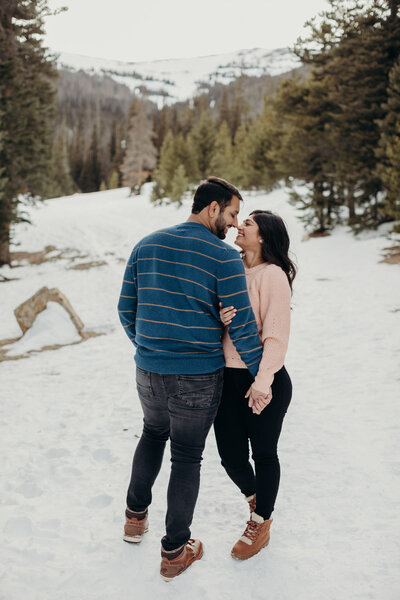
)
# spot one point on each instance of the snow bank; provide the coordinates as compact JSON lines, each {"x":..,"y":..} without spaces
{"x":70,"y":420}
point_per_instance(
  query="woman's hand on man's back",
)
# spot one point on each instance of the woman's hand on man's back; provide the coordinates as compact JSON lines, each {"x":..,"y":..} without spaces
{"x":226,"y":314}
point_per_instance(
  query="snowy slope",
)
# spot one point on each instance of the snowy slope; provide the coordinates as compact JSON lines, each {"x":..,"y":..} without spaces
{"x":70,"y":420}
{"x":179,"y":79}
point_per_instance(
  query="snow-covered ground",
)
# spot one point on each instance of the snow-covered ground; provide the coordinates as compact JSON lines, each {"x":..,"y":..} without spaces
{"x":179,"y":78}
{"x":70,"y":420}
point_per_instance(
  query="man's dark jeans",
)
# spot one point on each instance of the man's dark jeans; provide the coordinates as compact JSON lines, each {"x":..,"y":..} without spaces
{"x":182,"y":408}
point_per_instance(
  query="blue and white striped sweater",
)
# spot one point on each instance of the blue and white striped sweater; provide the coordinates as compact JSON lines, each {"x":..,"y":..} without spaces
{"x":169,"y":303}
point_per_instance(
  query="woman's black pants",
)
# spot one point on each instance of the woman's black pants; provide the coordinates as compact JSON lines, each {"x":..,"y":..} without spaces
{"x":235,"y":425}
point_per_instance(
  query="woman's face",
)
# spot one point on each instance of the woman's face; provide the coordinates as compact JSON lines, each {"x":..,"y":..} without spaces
{"x":248,"y":237}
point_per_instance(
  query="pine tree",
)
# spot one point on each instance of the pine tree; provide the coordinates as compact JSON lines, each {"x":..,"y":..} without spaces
{"x":203,"y":138}
{"x":242,"y":165}
{"x":187,"y":120}
{"x":140,"y":156}
{"x":90,"y":179}
{"x":185,"y":154}
{"x":113,"y":183}
{"x":389,"y":146}
{"x":261,"y":149}
{"x":256,"y":151}
{"x":306,"y":152}
{"x":120,"y":154}
{"x":61,"y":180}
{"x":357,"y":46}
{"x":179,"y":185}
{"x":224,"y":113}
{"x":222,"y":160}
{"x":161,"y":125}
{"x":169,"y":162}
{"x":240,"y":108}
{"x":26,"y":110}
{"x":113,"y":144}
{"x":76,"y":158}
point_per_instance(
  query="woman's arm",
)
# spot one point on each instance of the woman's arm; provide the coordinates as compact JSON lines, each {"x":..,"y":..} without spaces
{"x":274,"y":306}
{"x":275,"y":297}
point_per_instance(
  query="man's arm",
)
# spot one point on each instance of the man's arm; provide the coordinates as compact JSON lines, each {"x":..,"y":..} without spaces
{"x":232,"y":290}
{"x":128,"y":299}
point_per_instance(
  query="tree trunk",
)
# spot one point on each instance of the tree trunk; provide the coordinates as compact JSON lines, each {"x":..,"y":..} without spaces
{"x":5,"y":258}
{"x":394,"y":7}
{"x":374,"y":202}
{"x":329,"y":204}
{"x":351,"y":204}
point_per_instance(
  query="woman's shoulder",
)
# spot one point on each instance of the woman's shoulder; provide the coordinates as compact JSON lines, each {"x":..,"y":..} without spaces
{"x":273,"y":275}
{"x":271,"y":271}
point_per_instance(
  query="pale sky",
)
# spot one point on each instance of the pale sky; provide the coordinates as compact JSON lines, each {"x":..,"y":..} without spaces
{"x":139,"y":30}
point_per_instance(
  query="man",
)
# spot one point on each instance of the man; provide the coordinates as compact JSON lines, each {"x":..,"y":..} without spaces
{"x":169,"y":308}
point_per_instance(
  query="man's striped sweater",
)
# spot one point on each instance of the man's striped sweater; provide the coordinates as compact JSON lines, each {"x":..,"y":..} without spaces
{"x":169,"y":303}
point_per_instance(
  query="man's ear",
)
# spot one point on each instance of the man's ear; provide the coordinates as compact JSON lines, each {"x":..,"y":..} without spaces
{"x":213,"y":209}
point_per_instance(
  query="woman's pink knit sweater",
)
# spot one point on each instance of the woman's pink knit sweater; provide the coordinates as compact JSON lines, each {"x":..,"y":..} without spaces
{"x":270,"y":297}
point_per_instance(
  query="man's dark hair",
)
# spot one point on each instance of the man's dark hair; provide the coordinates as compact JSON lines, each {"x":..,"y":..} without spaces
{"x":212,"y":189}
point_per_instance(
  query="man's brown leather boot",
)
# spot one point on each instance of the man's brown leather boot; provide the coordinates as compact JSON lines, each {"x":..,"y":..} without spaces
{"x":175,"y":562}
{"x":136,"y":524}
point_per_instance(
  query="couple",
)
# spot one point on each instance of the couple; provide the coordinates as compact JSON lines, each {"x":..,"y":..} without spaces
{"x":181,"y":286}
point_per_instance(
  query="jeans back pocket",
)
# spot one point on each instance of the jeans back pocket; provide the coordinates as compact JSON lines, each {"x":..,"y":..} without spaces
{"x":198,"y":391}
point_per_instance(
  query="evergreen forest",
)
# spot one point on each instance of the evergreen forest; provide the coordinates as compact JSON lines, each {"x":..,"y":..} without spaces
{"x":330,"y":129}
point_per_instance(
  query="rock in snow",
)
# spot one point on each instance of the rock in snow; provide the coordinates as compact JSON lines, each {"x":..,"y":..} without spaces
{"x":27,"y":312}
{"x":52,"y":327}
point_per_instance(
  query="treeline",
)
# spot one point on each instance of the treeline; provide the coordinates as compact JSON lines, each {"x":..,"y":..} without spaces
{"x":343,"y":124}
{"x":89,"y":133}
{"x":187,"y":139}
{"x":93,"y":126}
{"x":337,"y":131}
{"x":333,"y":126}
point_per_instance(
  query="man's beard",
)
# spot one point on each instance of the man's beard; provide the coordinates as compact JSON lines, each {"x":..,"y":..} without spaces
{"x":220,"y":226}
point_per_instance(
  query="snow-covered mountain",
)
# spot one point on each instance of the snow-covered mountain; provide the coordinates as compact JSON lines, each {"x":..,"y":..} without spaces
{"x":178,"y":79}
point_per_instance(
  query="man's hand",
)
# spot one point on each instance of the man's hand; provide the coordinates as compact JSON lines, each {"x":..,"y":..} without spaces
{"x":258,"y":400}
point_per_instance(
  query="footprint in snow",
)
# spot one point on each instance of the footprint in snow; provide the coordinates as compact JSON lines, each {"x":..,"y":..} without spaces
{"x":100,"y":501}
{"x":103,"y":454}
{"x":18,"y":527}
{"x":57,"y":452}
{"x":29,"y":490}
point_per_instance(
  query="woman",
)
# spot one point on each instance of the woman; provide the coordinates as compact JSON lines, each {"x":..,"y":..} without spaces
{"x":258,"y":418}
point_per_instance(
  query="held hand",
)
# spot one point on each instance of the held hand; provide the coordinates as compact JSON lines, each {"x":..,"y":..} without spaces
{"x":226,"y":314}
{"x":258,"y":400}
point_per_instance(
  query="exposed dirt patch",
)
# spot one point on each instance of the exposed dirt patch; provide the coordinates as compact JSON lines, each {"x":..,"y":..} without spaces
{"x":49,"y":254}
{"x":88,"y":265}
{"x":33,"y":258}
{"x":52,"y":254}
{"x":392,"y":255}
{"x":86,"y":335}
